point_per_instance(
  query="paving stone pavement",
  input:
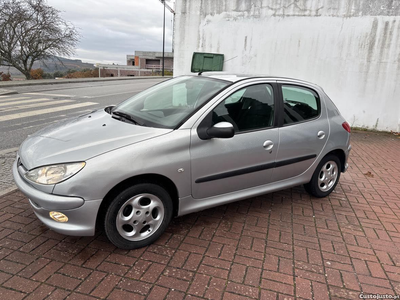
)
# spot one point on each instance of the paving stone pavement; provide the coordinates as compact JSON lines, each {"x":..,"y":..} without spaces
{"x":284,"y":245}
{"x":6,"y":179}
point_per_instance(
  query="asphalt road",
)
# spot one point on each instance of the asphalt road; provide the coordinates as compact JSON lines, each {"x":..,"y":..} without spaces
{"x":35,"y":107}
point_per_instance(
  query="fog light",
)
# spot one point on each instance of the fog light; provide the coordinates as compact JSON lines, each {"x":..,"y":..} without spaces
{"x":59,"y":217}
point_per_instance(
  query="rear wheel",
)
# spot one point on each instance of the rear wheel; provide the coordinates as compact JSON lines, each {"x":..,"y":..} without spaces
{"x":325,"y":178}
{"x":138,"y":216}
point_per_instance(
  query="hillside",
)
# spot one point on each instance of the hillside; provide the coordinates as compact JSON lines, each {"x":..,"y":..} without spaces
{"x":65,"y":64}
{"x":50,"y":66}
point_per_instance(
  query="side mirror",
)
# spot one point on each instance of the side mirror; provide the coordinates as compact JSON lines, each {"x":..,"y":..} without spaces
{"x":222,"y":130}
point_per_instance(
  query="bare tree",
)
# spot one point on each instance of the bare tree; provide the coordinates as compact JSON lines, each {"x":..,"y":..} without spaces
{"x":30,"y":30}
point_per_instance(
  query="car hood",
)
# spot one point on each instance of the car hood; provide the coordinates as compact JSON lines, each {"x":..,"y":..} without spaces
{"x":81,"y":138}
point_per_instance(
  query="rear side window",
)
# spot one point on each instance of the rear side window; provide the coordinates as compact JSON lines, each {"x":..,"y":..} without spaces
{"x":300,"y":104}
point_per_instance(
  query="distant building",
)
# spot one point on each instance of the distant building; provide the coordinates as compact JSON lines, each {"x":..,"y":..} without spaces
{"x":143,"y":63}
{"x":151,"y":60}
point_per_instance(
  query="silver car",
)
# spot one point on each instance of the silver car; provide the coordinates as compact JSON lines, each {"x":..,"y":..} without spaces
{"x":184,"y":145}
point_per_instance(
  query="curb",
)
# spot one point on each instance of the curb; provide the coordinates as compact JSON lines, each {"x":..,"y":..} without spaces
{"x":9,"y":190}
{"x":76,"y":80}
{"x":12,"y":188}
{"x":6,"y":151}
{"x":4,"y":92}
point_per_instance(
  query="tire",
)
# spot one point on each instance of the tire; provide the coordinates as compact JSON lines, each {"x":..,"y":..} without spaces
{"x":325,"y":178}
{"x":138,"y":216}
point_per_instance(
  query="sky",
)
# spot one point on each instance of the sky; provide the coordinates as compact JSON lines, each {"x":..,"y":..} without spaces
{"x":111,"y":29}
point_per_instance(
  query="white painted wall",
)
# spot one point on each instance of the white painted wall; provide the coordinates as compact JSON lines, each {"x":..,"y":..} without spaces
{"x":349,"y":47}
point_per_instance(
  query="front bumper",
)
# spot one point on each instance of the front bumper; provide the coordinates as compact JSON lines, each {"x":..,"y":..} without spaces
{"x":81,"y":214}
{"x":81,"y":221}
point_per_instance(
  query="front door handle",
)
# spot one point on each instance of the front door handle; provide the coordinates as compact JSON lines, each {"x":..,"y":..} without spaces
{"x":268,"y":145}
{"x":321,"y":134}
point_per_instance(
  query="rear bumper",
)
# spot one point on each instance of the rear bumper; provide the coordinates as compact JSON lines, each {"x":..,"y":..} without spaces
{"x":81,"y":214}
{"x":346,"y":164}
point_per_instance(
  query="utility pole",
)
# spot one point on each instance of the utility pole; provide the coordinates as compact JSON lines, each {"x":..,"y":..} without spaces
{"x":163,"y":42}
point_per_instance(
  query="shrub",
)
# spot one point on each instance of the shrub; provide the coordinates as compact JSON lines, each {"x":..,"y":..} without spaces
{"x":88,"y":73}
{"x":5,"y":77}
{"x":37,"y":73}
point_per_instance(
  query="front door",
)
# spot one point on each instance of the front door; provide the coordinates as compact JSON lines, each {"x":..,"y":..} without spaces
{"x":221,"y":166}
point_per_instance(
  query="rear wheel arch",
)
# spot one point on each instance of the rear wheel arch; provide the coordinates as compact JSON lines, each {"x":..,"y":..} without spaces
{"x":325,"y":177}
{"x":156,"y":179}
{"x":341,"y":156}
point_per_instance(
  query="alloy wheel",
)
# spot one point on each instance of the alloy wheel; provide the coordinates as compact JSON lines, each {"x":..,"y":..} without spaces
{"x":139,"y":217}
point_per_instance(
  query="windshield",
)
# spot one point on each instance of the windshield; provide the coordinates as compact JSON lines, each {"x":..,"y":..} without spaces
{"x":167,"y":104}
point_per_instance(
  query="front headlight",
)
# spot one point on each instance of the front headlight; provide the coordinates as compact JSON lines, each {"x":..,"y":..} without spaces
{"x":55,"y":173}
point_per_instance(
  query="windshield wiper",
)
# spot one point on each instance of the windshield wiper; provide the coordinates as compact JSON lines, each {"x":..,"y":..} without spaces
{"x":118,"y":115}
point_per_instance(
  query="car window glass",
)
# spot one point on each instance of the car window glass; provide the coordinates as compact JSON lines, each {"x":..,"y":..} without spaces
{"x":173,"y":96}
{"x":179,"y":95}
{"x":249,"y":108}
{"x":235,"y":97}
{"x":300,"y":104}
{"x":167,"y":104}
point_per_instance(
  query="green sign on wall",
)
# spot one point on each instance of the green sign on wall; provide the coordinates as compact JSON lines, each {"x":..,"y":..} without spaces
{"x":203,"y":62}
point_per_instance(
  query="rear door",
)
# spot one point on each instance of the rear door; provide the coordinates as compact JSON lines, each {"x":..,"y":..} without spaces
{"x":304,"y":129}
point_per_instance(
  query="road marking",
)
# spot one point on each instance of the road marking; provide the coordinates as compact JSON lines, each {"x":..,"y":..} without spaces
{"x":12,"y":99}
{"x":59,"y":95}
{"x":23,"y":101}
{"x":49,"y":95}
{"x":25,"y":124}
{"x":46,"y":120}
{"x":129,"y":92}
{"x":20,"y":107}
{"x":44,"y":111}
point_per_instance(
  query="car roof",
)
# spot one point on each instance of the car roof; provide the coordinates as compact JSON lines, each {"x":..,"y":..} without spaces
{"x":236,"y":77}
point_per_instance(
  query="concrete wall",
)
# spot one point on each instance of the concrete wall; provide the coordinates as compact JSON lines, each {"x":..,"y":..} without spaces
{"x":122,"y":73}
{"x":349,"y":47}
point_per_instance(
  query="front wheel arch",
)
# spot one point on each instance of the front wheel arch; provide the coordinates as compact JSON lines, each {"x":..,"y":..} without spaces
{"x":157,"y":179}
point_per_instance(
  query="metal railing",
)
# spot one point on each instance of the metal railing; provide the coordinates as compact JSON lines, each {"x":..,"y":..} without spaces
{"x":157,"y":67}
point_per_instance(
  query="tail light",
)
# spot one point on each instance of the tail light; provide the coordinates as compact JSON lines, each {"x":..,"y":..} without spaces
{"x":346,"y":127}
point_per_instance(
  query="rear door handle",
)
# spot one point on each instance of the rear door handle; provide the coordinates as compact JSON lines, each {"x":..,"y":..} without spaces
{"x":321,"y":134}
{"x":268,"y":145}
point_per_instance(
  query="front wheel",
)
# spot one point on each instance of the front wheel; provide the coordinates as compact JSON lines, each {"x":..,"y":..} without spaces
{"x":325,"y":178}
{"x":138,"y":216}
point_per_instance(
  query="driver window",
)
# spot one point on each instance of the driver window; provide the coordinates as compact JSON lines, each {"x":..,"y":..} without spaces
{"x":235,"y":97}
{"x":250,"y":108}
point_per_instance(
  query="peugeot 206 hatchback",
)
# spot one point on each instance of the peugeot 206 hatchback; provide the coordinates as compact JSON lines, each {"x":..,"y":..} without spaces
{"x":184,"y":145}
